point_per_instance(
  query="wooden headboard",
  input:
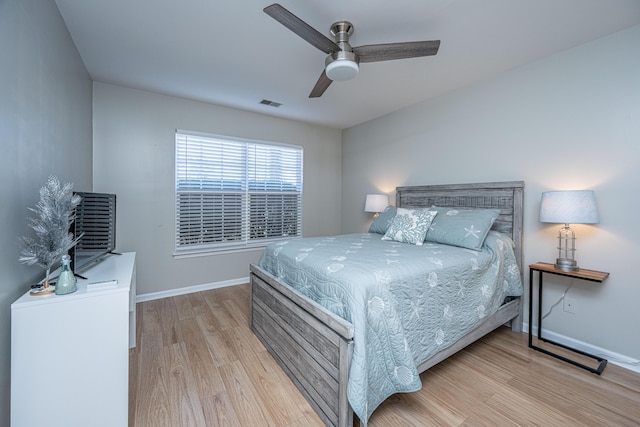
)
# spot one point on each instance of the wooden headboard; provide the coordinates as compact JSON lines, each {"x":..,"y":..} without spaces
{"x":506,"y":196}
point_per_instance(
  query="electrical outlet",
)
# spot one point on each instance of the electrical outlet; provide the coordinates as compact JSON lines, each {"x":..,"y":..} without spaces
{"x":569,"y":305}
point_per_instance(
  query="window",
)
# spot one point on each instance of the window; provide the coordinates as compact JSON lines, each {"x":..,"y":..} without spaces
{"x":233,"y":193}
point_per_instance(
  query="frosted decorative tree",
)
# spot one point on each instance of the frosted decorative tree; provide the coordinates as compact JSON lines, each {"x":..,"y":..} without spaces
{"x":55,"y":213}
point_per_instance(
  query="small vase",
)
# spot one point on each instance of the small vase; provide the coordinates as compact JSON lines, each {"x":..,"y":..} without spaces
{"x":66,"y":283}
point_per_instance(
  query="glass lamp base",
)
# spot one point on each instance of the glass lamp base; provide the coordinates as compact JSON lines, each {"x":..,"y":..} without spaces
{"x":566,"y":264}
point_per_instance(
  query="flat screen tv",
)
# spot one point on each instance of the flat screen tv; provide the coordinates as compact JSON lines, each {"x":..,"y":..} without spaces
{"x":95,"y":222}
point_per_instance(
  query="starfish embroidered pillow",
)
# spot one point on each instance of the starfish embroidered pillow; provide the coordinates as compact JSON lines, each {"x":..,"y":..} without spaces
{"x":410,"y":225}
{"x":466,"y":228}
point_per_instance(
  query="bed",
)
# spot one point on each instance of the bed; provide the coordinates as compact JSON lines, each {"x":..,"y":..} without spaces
{"x":320,"y":342}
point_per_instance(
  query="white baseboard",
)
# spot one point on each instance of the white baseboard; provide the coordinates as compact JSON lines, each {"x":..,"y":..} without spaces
{"x":613,"y":357}
{"x":190,"y":289}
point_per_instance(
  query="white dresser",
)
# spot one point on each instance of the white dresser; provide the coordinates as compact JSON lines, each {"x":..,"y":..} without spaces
{"x":70,"y":353}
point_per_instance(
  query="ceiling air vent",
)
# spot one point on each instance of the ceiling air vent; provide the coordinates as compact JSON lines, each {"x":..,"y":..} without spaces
{"x":271,"y":103}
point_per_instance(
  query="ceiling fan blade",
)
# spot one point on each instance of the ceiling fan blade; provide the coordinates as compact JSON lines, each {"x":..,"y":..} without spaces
{"x":301,"y":28}
{"x":321,"y":85}
{"x":389,"y":51}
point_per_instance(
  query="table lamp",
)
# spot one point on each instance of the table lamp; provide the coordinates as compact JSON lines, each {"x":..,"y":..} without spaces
{"x":376,"y":203}
{"x":568,"y":207}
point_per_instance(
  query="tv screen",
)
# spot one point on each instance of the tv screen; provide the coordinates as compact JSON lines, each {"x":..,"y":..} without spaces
{"x":95,"y":222}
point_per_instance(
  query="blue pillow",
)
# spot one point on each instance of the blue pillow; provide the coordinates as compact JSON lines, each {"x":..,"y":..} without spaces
{"x":462,"y":227}
{"x":410,"y":226}
{"x":382,"y":222}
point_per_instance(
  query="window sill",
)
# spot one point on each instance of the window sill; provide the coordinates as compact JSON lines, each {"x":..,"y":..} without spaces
{"x":214,"y":252}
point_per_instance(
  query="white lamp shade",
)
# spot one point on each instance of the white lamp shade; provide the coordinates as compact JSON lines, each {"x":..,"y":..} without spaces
{"x":569,"y":207}
{"x":376,"y":202}
{"x":342,"y":69}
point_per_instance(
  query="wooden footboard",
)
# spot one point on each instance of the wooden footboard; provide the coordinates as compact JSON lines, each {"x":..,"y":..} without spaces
{"x":310,"y":343}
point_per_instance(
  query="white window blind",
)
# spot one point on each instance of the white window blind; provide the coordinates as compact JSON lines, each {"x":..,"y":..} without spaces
{"x":233,"y":193}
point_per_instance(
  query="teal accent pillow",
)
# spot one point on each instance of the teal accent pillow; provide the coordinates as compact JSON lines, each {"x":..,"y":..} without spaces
{"x":382,"y":222}
{"x":410,"y":226}
{"x":462,"y":227}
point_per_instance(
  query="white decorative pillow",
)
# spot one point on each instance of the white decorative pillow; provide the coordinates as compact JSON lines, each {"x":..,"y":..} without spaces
{"x":410,"y":226}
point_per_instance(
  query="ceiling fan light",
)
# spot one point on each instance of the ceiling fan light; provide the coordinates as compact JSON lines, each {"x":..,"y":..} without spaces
{"x":342,"y":69}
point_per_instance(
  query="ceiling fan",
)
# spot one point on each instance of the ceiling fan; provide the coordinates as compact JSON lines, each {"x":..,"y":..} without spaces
{"x":343,"y":61}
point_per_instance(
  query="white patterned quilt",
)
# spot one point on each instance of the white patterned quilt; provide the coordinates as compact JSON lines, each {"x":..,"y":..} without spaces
{"x":406,"y":302}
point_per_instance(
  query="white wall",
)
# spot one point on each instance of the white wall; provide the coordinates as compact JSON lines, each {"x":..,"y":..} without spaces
{"x":134,"y":149}
{"x":571,"y":121}
{"x":45,"y":129}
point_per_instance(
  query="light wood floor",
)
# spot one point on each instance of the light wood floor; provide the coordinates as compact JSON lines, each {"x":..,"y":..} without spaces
{"x":197,"y":363}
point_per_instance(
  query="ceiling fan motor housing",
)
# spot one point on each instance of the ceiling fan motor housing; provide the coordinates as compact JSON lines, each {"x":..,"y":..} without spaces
{"x":343,"y":64}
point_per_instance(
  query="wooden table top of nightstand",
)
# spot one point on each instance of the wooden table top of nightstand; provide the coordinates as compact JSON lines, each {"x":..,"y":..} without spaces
{"x":582,"y":273}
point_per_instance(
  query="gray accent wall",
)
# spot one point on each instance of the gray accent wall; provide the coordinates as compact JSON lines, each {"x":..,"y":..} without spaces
{"x":570,"y":121}
{"x":45,"y":129}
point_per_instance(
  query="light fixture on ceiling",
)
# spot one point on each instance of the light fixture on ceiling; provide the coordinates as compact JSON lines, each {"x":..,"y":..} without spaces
{"x":342,"y":66}
{"x":568,"y":207}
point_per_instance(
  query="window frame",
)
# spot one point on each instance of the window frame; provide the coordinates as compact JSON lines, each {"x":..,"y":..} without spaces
{"x":249,"y":189}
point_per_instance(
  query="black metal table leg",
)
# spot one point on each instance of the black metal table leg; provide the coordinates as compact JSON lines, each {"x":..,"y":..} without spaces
{"x":602,"y":361}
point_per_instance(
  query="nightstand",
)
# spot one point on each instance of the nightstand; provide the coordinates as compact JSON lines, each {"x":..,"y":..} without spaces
{"x":582,"y":274}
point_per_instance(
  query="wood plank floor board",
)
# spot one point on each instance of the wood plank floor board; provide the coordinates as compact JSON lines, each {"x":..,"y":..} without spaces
{"x":453,"y":395}
{"x":447,"y":406}
{"x":466,"y":378}
{"x":247,"y":402}
{"x":184,"y":308}
{"x":207,"y":379}
{"x":262,"y":373}
{"x":166,"y":314}
{"x":221,"y":316}
{"x":198,"y":303}
{"x":153,"y":403}
{"x":564,"y":392}
{"x":197,"y":363}
{"x":243,"y":341}
{"x":237,"y":311}
{"x":151,"y":325}
{"x":222,"y":350}
{"x":520,"y":409}
{"x":497,"y":362}
{"x":219,"y":411}
{"x":629,"y":384}
{"x":180,"y":383}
